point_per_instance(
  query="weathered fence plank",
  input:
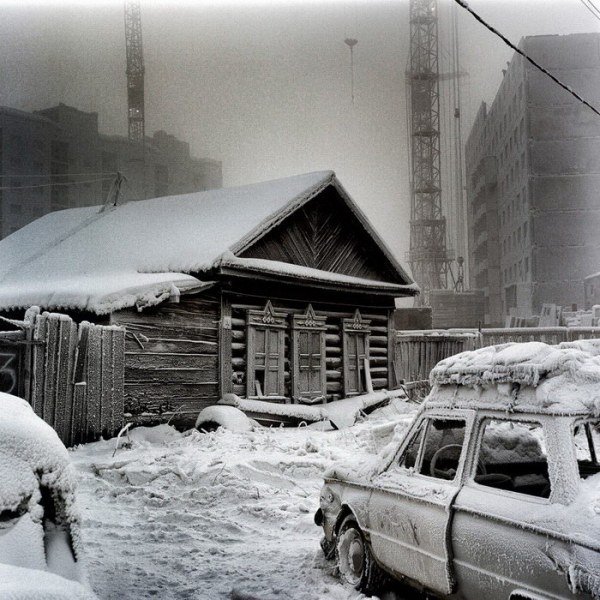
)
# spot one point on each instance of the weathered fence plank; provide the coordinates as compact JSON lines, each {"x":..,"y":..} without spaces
{"x":71,"y":374}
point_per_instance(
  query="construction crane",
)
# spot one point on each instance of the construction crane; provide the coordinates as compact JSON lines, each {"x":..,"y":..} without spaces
{"x":135,"y":71}
{"x":428,"y":256}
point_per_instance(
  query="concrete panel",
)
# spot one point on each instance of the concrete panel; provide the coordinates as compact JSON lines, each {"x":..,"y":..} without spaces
{"x":565,"y":193}
{"x":564,"y":265}
{"x":574,"y":228}
{"x":564,"y":51}
{"x":563,"y":121}
{"x":557,"y":157}
{"x":541,"y":90}
{"x":564,"y":295}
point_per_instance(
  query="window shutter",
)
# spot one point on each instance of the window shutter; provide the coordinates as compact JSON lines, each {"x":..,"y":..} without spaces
{"x":265,"y":352}
{"x":308,"y":357}
{"x":355,"y":350}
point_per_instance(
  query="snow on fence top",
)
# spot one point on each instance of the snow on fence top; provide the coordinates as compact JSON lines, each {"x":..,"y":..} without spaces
{"x":565,"y":378}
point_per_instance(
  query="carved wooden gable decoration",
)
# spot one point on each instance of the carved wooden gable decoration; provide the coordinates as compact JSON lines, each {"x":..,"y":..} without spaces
{"x":325,"y":234}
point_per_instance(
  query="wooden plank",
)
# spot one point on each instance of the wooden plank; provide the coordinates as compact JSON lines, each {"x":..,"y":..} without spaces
{"x":170,"y":375}
{"x":165,"y":345}
{"x":118,"y":369}
{"x":226,"y":350}
{"x":169,"y":360}
{"x":156,"y":331}
{"x":391,"y":384}
{"x":63,"y":361}
{"x":49,"y":394}
{"x":94,"y":383}
{"x":105,"y":356}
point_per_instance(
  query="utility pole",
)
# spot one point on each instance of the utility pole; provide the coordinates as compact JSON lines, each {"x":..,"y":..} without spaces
{"x":428,"y":257}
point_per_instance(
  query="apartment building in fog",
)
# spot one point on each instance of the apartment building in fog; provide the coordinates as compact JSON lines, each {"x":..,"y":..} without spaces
{"x":533,"y":181}
{"x":56,"y":158}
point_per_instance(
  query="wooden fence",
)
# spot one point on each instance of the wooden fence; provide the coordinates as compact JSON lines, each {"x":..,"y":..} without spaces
{"x":417,"y":352}
{"x":71,"y":374}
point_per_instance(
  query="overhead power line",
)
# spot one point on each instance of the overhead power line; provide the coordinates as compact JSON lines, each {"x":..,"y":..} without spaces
{"x":49,"y":175}
{"x":526,"y":56}
{"x":44,"y":185}
{"x":591,"y":7}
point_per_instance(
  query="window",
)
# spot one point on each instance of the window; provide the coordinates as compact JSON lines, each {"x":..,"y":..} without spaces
{"x":357,"y":376}
{"x":436,"y":448}
{"x":587,"y":447}
{"x":512,"y":456}
{"x":266,"y":351}
{"x":308,"y":357}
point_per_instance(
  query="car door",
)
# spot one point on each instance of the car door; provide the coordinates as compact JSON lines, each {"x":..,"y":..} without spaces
{"x":409,"y":509}
{"x":500,"y":534}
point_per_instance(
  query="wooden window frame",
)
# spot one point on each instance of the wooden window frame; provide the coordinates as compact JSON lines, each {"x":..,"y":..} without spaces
{"x":310,"y":322}
{"x":267,"y":320}
{"x":354,"y":327}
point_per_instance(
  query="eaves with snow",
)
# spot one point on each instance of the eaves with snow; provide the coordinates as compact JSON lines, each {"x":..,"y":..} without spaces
{"x":144,"y":252}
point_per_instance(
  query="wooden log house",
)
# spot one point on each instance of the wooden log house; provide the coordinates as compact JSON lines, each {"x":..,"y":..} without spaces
{"x":281,"y":291}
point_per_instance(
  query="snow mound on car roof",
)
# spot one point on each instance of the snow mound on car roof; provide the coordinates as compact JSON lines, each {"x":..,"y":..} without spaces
{"x":32,"y":454}
{"x":566,"y":376}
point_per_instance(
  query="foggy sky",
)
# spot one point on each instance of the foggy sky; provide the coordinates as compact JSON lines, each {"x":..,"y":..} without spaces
{"x":265,"y":86}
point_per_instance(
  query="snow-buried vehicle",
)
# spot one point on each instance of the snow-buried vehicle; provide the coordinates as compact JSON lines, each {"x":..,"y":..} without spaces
{"x":494,"y":491}
{"x":40,"y":542}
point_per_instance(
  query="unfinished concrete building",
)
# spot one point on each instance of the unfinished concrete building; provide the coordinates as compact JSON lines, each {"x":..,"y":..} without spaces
{"x":533,"y":175}
{"x":54,"y":159}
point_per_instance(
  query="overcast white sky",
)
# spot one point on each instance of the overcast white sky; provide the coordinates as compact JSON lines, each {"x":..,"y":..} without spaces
{"x":264,"y":86}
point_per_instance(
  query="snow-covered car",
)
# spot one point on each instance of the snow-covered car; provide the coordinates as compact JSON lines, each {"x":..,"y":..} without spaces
{"x":40,"y":541}
{"x":493,"y":492}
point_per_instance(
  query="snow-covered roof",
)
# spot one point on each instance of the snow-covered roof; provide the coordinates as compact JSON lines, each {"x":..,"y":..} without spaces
{"x":145,"y":251}
{"x":562,"y":379}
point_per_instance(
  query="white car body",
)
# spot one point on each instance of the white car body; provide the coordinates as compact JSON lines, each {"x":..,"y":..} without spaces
{"x":515,"y":513}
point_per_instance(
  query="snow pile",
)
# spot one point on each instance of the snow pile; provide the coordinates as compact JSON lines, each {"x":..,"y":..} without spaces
{"x":32,"y":455}
{"x":566,"y":377}
{"x":216,"y":515}
{"x":343,"y":413}
{"x":17,"y":583}
{"x":223,"y":416}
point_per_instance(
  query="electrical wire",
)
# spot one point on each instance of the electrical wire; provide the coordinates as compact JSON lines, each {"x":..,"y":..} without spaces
{"x":593,"y":10}
{"x":45,"y":185}
{"x":26,"y":176}
{"x":596,"y":10}
{"x":526,"y":56}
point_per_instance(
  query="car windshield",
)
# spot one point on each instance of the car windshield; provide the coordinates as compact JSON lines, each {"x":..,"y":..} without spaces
{"x":587,"y":447}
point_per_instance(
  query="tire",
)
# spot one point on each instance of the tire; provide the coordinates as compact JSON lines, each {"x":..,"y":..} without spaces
{"x":354,"y":559}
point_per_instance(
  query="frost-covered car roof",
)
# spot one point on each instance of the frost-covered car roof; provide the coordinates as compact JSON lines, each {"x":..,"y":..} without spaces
{"x":532,"y":376}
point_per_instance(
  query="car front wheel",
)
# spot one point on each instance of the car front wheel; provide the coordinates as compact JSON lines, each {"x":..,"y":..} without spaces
{"x":355,"y":560}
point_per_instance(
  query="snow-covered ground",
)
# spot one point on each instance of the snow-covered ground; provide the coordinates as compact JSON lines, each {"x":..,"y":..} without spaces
{"x":215,"y":515}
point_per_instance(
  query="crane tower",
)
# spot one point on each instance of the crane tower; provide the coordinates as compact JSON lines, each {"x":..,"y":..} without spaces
{"x":135,"y":70}
{"x":428,"y":257}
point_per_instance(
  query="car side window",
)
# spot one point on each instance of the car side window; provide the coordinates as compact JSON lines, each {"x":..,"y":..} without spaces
{"x":435,"y":448}
{"x":411,"y":453}
{"x":586,"y":435}
{"x":512,"y":456}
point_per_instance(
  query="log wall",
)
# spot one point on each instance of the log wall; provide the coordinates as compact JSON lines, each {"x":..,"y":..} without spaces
{"x":171,"y":358}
